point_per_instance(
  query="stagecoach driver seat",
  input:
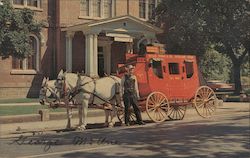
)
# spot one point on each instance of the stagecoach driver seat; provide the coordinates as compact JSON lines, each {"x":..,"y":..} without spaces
{"x":130,"y":90}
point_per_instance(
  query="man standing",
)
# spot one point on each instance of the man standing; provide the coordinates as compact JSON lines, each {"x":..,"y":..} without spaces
{"x":130,"y":90}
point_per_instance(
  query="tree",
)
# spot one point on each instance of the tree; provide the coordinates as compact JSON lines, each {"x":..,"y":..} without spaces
{"x":183,"y":27}
{"x":227,"y":26}
{"x":221,"y":23}
{"x":215,"y":66}
{"x":16,"y":26}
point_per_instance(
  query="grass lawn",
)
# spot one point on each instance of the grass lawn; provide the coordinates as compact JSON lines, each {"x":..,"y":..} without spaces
{"x":21,"y":110}
{"x":19,"y":100}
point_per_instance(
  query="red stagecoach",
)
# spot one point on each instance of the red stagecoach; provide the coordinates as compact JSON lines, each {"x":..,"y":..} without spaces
{"x":167,"y":84}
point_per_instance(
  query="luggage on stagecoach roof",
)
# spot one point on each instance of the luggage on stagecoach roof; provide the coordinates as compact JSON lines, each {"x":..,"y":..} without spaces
{"x":156,"y":48}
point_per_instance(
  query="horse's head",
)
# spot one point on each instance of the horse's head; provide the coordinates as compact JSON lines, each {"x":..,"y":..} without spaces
{"x":48,"y":90}
{"x":60,"y":83}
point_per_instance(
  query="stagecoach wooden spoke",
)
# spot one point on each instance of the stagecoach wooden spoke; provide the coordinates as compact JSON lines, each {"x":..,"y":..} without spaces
{"x":159,"y":111}
{"x":161,"y":99}
{"x":151,"y":102}
{"x":162,"y":102}
{"x":201,"y":104}
{"x":151,"y":109}
{"x":211,"y":107}
{"x":207,"y":102}
{"x":177,"y":112}
{"x":164,"y":108}
{"x":121,"y":112}
{"x":162,"y":112}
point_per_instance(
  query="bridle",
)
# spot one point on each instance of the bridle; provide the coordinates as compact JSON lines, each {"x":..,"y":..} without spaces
{"x":46,"y":88}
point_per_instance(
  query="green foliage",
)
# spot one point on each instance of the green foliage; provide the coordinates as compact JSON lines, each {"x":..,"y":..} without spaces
{"x":16,"y":26}
{"x":191,"y":26}
{"x":228,"y":27}
{"x":183,"y":26}
{"x":215,"y":66}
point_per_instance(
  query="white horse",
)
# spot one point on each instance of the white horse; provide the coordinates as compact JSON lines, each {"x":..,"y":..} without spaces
{"x":48,"y":90}
{"x":87,"y":90}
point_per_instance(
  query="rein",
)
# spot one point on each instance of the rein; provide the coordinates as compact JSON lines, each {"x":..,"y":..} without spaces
{"x":45,"y":88}
{"x":78,"y":89}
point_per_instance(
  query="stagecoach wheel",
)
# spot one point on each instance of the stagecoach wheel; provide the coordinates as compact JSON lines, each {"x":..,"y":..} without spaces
{"x":205,"y":101}
{"x":157,"y":107}
{"x":177,"y":112}
{"x":121,"y":115}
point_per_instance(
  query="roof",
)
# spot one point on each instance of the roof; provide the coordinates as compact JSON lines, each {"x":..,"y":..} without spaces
{"x":119,"y":23}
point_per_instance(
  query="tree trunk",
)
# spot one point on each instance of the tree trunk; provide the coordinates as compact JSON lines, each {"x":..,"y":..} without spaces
{"x":237,"y":80}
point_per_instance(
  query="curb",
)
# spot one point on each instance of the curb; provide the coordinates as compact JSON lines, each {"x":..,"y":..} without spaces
{"x":52,"y":116}
{"x":19,"y":104}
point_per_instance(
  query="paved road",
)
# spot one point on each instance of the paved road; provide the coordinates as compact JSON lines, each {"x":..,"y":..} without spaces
{"x":227,"y":134}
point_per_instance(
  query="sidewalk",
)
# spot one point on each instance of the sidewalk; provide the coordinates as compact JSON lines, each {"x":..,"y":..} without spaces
{"x":98,"y":117}
{"x":15,"y":129}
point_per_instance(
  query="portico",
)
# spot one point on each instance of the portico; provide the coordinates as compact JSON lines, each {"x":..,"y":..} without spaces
{"x":122,"y":29}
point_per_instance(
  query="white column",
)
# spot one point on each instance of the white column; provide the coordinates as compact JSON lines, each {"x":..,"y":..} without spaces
{"x":89,"y":55}
{"x":69,"y":38}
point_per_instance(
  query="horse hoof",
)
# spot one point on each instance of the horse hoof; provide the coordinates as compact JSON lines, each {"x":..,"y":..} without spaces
{"x":68,"y":128}
{"x":106,"y":124}
{"x":80,"y":128}
{"x":111,"y":125}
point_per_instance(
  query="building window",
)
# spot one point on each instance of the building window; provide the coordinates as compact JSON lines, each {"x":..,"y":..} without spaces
{"x":108,"y":8}
{"x":32,"y":3}
{"x":27,"y":3}
{"x":18,"y":2}
{"x":173,"y":68}
{"x":142,"y":9}
{"x":151,"y":9}
{"x":189,"y":69}
{"x":97,"y":8}
{"x":84,"y":7}
{"x":147,"y":8}
{"x":157,"y":68}
{"x":32,"y":61}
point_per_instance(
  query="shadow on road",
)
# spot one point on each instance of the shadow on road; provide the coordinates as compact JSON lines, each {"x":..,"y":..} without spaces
{"x":206,"y":138}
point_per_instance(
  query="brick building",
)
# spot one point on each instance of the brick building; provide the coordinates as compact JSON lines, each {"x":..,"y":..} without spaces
{"x":90,"y":36}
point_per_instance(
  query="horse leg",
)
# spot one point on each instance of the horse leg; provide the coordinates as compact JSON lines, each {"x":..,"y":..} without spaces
{"x":106,"y":118}
{"x":112,"y":114}
{"x":83,"y":115}
{"x":69,"y":115}
{"x":80,"y":116}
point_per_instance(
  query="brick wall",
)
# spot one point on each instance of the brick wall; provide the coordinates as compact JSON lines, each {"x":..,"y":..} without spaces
{"x":27,"y":85}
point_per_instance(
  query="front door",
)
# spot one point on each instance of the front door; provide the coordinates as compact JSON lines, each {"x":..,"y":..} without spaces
{"x":101,"y":64}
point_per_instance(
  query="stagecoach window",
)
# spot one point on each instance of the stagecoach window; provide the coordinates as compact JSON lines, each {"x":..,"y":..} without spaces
{"x":157,"y":68}
{"x":173,"y":68}
{"x":189,"y":69}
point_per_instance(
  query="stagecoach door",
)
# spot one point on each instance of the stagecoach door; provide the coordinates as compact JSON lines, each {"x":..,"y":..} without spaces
{"x":175,"y":81}
{"x":156,"y":75}
{"x":191,"y":78}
